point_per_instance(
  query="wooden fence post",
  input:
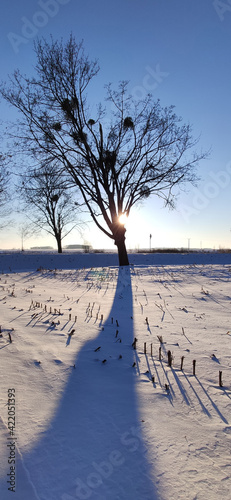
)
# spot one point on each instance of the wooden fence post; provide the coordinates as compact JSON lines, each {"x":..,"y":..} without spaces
{"x":182,"y":361}
{"x":134,"y":343}
{"x":169,"y":359}
{"x":194,"y":367}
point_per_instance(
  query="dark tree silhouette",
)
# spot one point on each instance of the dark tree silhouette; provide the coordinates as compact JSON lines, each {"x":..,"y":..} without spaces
{"x":116,"y":156}
{"x":4,"y":189}
{"x":48,"y":202}
{"x":4,"y":178}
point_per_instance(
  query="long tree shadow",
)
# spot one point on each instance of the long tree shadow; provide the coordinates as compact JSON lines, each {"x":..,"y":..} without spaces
{"x":93,"y":447}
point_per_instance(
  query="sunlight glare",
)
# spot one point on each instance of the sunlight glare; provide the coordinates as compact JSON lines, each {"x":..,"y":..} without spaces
{"x":123,"y":219}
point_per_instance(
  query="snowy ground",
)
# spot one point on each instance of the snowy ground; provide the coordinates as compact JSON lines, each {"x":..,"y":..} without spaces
{"x":95,"y":418}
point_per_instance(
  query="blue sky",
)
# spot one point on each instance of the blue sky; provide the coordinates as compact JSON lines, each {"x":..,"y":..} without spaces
{"x":180,"y":51}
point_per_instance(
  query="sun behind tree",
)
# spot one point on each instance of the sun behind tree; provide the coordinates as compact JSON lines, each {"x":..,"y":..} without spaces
{"x":140,"y":150}
{"x":123,"y":218}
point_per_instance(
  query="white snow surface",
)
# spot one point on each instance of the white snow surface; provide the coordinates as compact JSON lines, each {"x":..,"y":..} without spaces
{"x":94,"y":417}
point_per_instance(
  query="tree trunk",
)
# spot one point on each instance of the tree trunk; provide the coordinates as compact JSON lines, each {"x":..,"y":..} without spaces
{"x":122,"y":251}
{"x":59,"y":244}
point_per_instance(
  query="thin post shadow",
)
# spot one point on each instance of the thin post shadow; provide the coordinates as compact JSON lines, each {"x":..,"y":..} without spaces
{"x":157,"y":373}
{"x":151,"y":377}
{"x":225,"y":391}
{"x":36,"y":318}
{"x":148,"y":365}
{"x":95,"y":434}
{"x":64,"y":326}
{"x":171,"y":390}
{"x":149,"y":329}
{"x":137,"y":361}
{"x":198,"y":398}
{"x":5,"y":345}
{"x":212,"y":402}
{"x":19,"y":316}
{"x":181,"y":387}
{"x":187,"y":338}
{"x":68,"y":340}
{"x":167,"y":378}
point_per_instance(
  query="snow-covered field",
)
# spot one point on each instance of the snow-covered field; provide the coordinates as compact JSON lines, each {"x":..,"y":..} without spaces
{"x":85,"y":415}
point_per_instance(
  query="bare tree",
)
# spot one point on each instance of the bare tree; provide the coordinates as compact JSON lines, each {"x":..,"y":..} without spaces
{"x":4,"y":189}
{"x":3,"y":182}
{"x":115,"y":158}
{"x":48,"y":202}
{"x":25,"y":231}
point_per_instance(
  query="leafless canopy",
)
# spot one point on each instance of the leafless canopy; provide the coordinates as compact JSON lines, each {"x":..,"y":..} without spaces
{"x":116,"y":157}
{"x":4,"y":190}
{"x":48,"y":202}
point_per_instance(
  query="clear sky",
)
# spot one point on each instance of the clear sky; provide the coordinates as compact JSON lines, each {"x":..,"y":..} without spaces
{"x":177,"y":49}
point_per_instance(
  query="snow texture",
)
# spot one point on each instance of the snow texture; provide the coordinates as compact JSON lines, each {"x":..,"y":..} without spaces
{"x":99,"y":412}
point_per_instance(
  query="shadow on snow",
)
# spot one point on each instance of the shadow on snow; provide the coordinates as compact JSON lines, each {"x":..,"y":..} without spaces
{"x":93,"y":447}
